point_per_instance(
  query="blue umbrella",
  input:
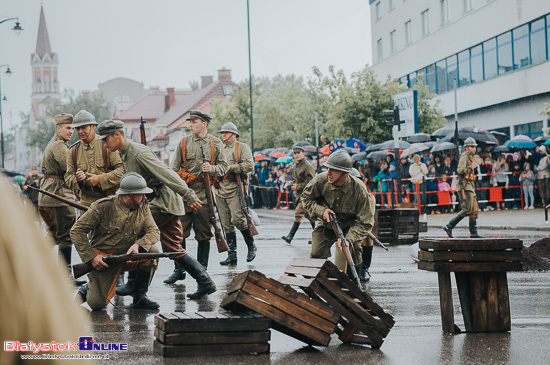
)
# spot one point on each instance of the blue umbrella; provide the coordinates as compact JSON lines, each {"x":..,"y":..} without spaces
{"x":520,"y":143}
{"x":257,"y":164}
{"x":351,"y":143}
{"x":285,"y":159}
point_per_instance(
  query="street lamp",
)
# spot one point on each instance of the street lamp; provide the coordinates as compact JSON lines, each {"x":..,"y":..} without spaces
{"x":8,"y":72}
{"x":17,"y":28}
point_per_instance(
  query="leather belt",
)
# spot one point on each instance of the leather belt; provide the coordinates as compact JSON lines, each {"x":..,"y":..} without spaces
{"x":52,"y":176}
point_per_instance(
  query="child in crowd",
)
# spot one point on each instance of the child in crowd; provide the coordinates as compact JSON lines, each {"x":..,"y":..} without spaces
{"x":527,"y":179}
{"x":432,"y":189}
{"x":443,"y":185}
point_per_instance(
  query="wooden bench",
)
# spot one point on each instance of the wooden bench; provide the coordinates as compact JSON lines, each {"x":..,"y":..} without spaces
{"x":362,"y":320}
{"x":212,"y":333}
{"x":480,"y":267}
{"x":290,"y":312}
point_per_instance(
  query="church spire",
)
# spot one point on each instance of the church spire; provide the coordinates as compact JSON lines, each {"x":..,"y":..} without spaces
{"x":43,"y":41}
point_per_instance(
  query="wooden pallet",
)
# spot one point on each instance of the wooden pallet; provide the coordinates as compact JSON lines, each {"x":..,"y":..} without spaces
{"x":200,"y":333}
{"x":480,"y":267}
{"x":397,"y":225}
{"x":290,"y":312}
{"x":362,"y":320}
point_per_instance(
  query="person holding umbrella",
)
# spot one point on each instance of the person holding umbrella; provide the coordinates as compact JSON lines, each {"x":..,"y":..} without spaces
{"x":466,"y":190}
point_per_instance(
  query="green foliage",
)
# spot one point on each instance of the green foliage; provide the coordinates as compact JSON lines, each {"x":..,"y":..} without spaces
{"x":545,"y":111}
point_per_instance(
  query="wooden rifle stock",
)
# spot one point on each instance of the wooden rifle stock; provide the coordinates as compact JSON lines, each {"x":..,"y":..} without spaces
{"x":72,"y":203}
{"x":82,"y":269}
{"x":220,"y":239}
{"x":244,"y":207}
{"x":142,"y":132}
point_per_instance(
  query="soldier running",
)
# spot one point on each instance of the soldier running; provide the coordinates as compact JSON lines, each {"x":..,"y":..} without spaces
{"x":239,"y":156}
{"x":466,"y":190}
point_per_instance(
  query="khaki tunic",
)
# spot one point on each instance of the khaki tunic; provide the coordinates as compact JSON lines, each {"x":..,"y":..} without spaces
{"x":468,"y":202}
{"x":245,"y":165}
{"x":89,"y":158}
{"x":54,"y":162}
{"x":302,"y":174}
{"x":139,"y":158}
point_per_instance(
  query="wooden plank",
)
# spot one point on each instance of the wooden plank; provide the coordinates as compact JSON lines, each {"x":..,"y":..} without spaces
{"x":493,"y":316}
{"x":237,"y":282}
{"x":470,"y":266}
{"x":460,"y":244}
{"x":479,"y":303}
{"x":514,"y":255}
{"x":295,"y":281}
{"x":307,"y":262}
{"x":201,"y":338}
{"x":503,"y":302}
{"x":207,"y":315}
{"x":219,"y":325}
{"x":464,"y":294}
{"x":301,"y":270}
{"x":212,"y":350}
{"x":446,"y":302}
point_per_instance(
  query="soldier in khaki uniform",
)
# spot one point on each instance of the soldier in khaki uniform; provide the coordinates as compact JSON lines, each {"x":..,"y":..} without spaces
{"x":165,"y":203}
{"x":117,"y":225}
{"x":347,"y":198}
{"x":466,"y":189}
{"x":91,"y":167}
{"x":189,"y":164}
{"x":239,"y":156}
{"x":58,"y":216}
{"x":303,"y":173}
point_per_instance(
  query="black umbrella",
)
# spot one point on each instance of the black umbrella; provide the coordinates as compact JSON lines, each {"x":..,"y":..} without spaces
{"x":541,"y":139}
{"x":350,"y":150}
{"x":430,"y":143}
{"x":479,"y":135}
{"x":444,"y":146}
{"x":388,"y":145}
{"x":302,"y":143}
{"x":281,"y":149}
{"x":359,"y":156}
{"x":443,"y":132}
{"x":374,"y":147}
{"x":502,"y":137}
{"x":375,"y":155}
{"x":501,"y":149}
{"x":419,"y":138}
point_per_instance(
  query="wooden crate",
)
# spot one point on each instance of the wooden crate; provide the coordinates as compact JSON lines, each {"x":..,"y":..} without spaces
{"x":362,"y":320}
{"x":290,"y":312}
{"x":480,"y":267}
{"x":397,"y":226}
{"x":200,"y":333}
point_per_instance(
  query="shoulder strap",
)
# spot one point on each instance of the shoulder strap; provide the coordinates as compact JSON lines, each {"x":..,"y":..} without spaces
{"x":183,"y":143}
{"x":237,"y":152}
{"x":105,"y":157}
{"x":212,"y":150}
{"x":73,"y":155}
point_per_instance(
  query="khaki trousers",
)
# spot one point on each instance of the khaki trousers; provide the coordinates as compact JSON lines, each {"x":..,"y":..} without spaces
{"x":231,"y":214}
{"x":322,"y":240}
{"x":200,"y":222}
{"x":468,"y":204}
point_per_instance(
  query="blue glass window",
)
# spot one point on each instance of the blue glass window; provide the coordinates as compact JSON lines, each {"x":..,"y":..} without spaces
{"x":521,"y":47}
{"x":464,"y":68}
{"x":547,"y":36}
{"x":531,"y":130}
{"x":451,"y":72}
{"x":404,"y":81}
{"x":477,"y":64}
{"x":430,"y":78}
{"x":412,"y":79}
{"x":441,"y":74}
{"x":504,"y":42}
{"x":489,"y":58}
{"x":538,"y":41}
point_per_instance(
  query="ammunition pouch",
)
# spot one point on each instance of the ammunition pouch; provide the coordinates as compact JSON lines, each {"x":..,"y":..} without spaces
{"x":155,"y":188}
{"x":187,"y":177}
{"x":470,"y":177}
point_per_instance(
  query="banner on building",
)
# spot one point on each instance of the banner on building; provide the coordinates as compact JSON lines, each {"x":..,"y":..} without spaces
{"x":408,"y":113}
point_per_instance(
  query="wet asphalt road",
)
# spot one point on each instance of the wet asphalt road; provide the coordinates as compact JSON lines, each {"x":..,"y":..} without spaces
{"x":409,"y":294}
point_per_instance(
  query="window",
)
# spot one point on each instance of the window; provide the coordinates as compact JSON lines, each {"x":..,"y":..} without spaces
{"x":379,"y":48}
{"x":392,"y":4}
{"x":547,"y":36}
{"x":393,"y":42}
{"x":227,"y":89}
{"x":467,"y":5}
{"x":47,"y":83}
{"x":463,"y":68}
{"x":489,"y":58}
{"x":538,"y":46}
{"x":377,"y":10}
{"x":521,"y":46}
{"x":531,"y":130}
{"x":441,"y":76}
{"x":504,"y":42}
{"x":412,"y":79}
{"x":430,"y":78}
{"x":476,"y":64}
{"x":426,"y":22}
{"x":404,"y":81}
{"x":408,"y":34}
{"x":444,"y":11}
{"x":451,"y":72}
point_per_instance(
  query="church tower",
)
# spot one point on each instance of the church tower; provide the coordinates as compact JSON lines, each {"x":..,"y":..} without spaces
{"x":45,"y":85}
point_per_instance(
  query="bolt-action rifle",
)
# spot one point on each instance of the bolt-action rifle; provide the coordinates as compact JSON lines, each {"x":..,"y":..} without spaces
{"x":244,"y":206}
{"x":142,"y":132}
{"x":72,"y":203}
{"x":377,"y":241}
{"x":82,"y":269}
{"x":220,"y":240}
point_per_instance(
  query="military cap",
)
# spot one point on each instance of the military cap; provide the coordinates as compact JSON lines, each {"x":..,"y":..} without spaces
{"x":109,"y":126}
{"x":34,"y":167}
{"x":296,"y":147}
{"x":470,"y":142}
{"x":230,"y":127}
{"x":204,"y":116}
{"x":340,"y":161}
{"x":133,"y":183}
{"x":83,"y":118}
{"x":63,"y":118}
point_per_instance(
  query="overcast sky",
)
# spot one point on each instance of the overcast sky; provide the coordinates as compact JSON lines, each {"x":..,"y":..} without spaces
{"x":171,"y":42}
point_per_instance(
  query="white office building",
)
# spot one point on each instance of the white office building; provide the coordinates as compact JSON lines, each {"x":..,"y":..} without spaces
{"x":498,"y":51}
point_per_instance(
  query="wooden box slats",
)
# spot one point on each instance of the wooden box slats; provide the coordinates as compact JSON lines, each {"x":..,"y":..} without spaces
{"x":290,"y":312}
{"x":397,"y":225}
{"x":200,"y":333}
{"x":362,"y":320}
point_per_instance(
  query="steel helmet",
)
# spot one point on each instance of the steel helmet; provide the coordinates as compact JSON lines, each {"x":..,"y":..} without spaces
{"x":230,"y":127}
{"x":83,"y":118}
{"x":470,"y":142}
{"x":355,"y":173}
{"x":133,"y":183}
{"x":339,"y":160}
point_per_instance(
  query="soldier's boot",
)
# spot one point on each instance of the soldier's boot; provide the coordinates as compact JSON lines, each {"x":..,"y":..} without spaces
{"x":82,"y":293}
{"x":473,"y":228}
{"x":452,"y":224}
{"x":65,"y":254}
{"x":232,"y":254}
{"x":205,"y":285}
{"x":139,"y":291}
{"x":365,"y":265}
{"x":203,"y":253}
{"x":288,"y":238}
{"x":312,"y":227}
{"x":178,"y":274}
{"x":251,"y":255}
{"x":128,"y":288}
